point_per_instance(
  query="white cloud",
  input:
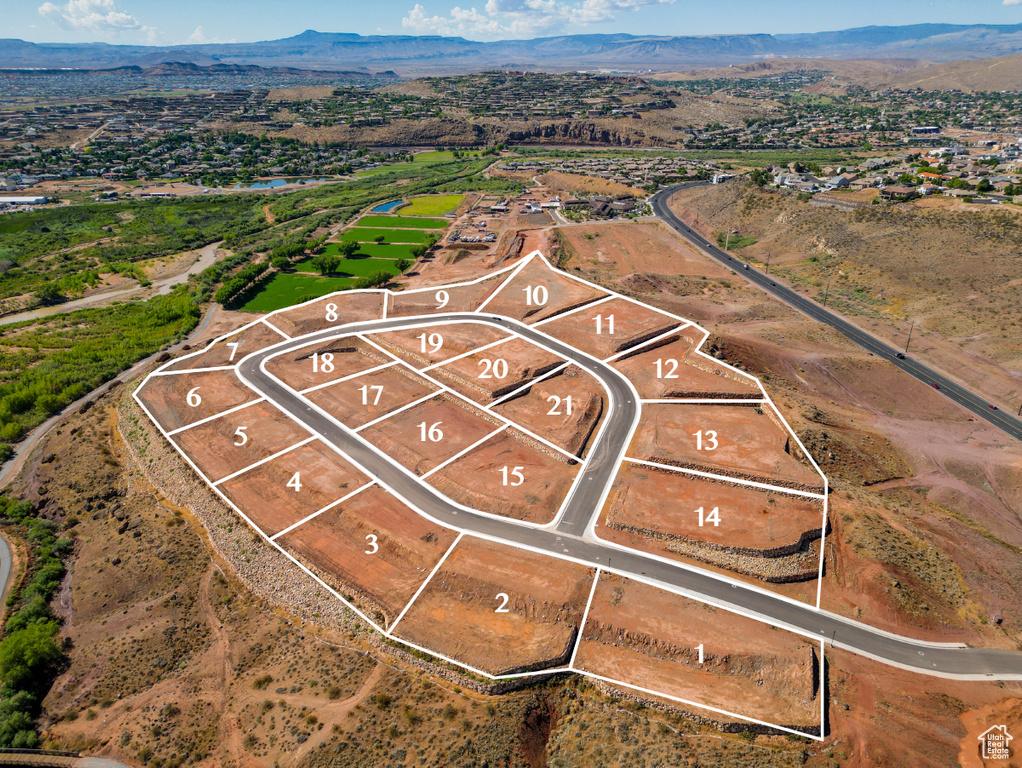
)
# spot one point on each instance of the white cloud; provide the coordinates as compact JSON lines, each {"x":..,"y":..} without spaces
{"x":93,"y":16}
{"x":199,"y":37}
{"x":1012,"y":2}
{"x":502,"y":18}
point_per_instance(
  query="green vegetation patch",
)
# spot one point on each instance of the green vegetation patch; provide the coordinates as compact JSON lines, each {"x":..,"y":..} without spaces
{"x":375,"y":250}
{"x":286,"y":289}
{"x":352,"y":267}
{"x":402,"y":222}
{"x":369,"y":234}
{"x":432,"y":205}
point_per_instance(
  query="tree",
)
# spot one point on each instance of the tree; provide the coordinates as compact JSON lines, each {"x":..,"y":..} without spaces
{"x":379,"y":238}
{"x":326,"y":265}
{"x":348,"y":248}
{"x":760,"y":177}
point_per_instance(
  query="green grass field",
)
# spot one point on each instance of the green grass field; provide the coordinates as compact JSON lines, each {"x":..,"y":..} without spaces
{"x":286,"y":289}
{"x":402,"y":222}
{"x":432,"y":205}
{"x":368,"y":234}
{"x":353,"y":267}
{"x":376,"y":250}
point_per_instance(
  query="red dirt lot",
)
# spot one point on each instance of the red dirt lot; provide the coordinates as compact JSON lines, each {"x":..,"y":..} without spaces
{"x":265,"y":431}
{"x":263,"y":495}
{"x":165,"y":397}
{"x":351,"y":307}
{"x":647,"y":637}
{"x":524,"y":361}
{"x":749,"y":444}
{"x":353,"y":407}
{"x":350,"y":355}
{"x":456,"y":613}
{"x":696,"y":375}
{"x":400,"y":436}
{"x":250,"y":340}
{"x":464,"y":298}
{"x":476,"y":479}
{"x":335,"y":545}
{"x":573,"y":432}
{"x":564,"y":293}
{"x":457,"y":339}
{"x":632,"y":324}
{"x":648,"y":499}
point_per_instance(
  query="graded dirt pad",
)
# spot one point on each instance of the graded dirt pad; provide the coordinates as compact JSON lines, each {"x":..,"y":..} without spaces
{"x":250,"y":340}
{"x":455,"y":339}
{"x":661,"y":506}
{"x":166,"y":397}
{"x":573,"y":432}
{"x":696,"y":376}
{"x":350,"y":355}
{"x":524,"y":361}
{"x":476,"y":479}
{"x":400,"y":436}
{"x":456,"y":613}
{"x":646,"y":637}
{"x":609,"y":327}
{"x":462,"y":298}
{"x":751,"y":443}
{"x":348,"y":306}
{"x":407,"y":546}
{"x":262,"y":493}
{"x":352,"y":406}
{"x":563,"y":293}
{"x":264,"y":431}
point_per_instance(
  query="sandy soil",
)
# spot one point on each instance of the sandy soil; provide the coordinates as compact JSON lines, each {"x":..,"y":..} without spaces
{"x":647,"y":637}
{"x":562,"y":294}
{"x":456,"y":612}
{"x":455,"y":339}
{"x":264,"y":431}
{"x":400,"y":436}
{"x":476,"y":479}
{"x":264,"y":495}
{"x":477,"y":376}
{"x":338,"y":545}
{"x":609,"y":327}
{"x":750,"y":443}
{"x":349,"y":307}
{"x":666,"y":502}
{"x":251,"y":340}
{"x":350,"y":355}
{"x":460,"y":299}
{"x":571,"y":431}
{"x":166,"y":396}
{"x":353,"y":406}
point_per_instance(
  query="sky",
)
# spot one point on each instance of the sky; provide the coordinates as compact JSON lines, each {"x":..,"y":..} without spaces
{"x":173,"y":22}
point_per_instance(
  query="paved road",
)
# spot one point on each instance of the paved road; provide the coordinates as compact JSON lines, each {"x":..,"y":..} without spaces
{"x":564,"y":539}
{"x":969,"y":400}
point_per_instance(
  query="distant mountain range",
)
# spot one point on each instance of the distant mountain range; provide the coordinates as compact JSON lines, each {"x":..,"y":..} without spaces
{"x":410,"y":55}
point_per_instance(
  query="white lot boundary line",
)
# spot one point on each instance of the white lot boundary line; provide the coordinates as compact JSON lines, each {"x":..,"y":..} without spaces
{"x":585,"y":618}
{"x":647,"y":342}
{"x":517,"y":268}
{"x":178,"y":372}
{"x":350,"y":376}
{"x":461,"y":453}
{"x":271,"y":325}
{"x":208,"y":419}
{"x":470,"y":402}
{"x":271,"y":457}
{"x":471,"y":352}
{"x":319,"y":512}
{"x":559,"y":315}
{"x":396,"y":411}
{"x":700,"y":401}
{"x":423,"y":585}
{"x":525,"y":386}
{"x":706,"y":707}
{"x":727,"y":479}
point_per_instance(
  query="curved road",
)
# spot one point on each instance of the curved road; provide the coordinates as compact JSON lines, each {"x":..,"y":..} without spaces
{"x":567,"y":538}
{"x":951,"y":389}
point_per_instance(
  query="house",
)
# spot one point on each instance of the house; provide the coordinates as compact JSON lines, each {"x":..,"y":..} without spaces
{"x":35,"y":200}
{"x":894,"y":192}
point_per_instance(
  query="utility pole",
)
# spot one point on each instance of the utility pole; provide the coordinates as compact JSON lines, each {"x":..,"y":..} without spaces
{"x":727,"y":239}
{"x":768,"y":263}
{"x":911,"y":328}
{"x":826,"y":293}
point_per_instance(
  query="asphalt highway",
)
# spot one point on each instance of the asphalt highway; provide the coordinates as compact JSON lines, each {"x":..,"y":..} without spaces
{"x":566,"y":538}
{"x":1004,"y":421}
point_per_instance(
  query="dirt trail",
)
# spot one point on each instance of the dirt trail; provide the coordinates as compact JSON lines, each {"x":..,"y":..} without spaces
{"x":270,"y":218}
